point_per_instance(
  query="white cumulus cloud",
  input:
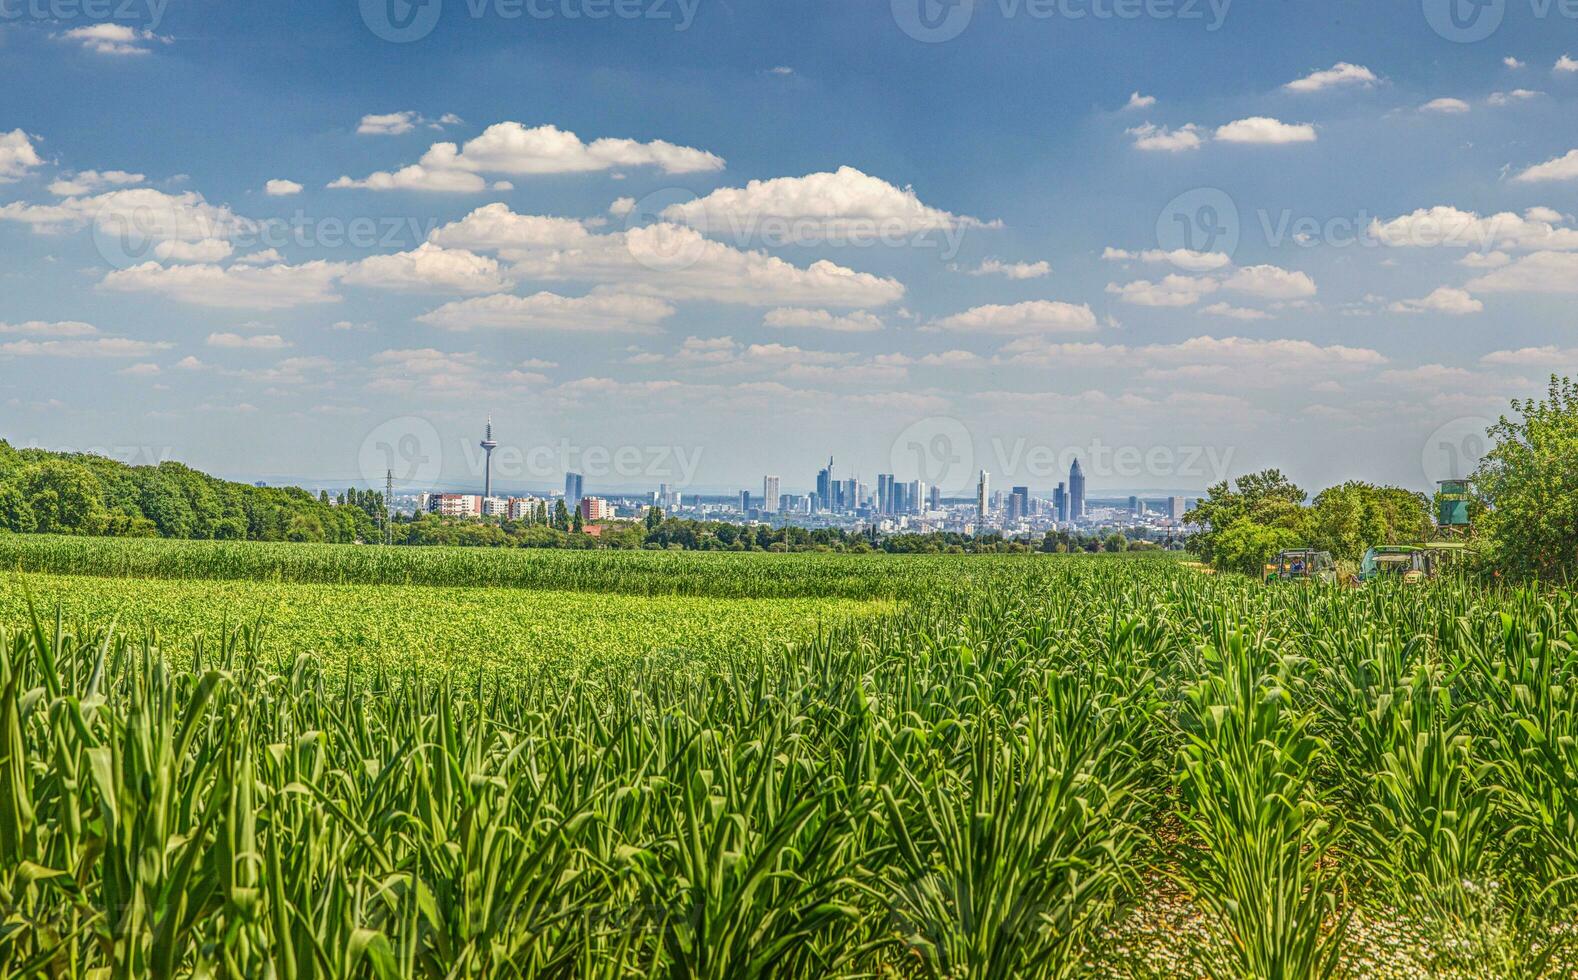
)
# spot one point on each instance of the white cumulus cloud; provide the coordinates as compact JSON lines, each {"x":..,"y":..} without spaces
{"x":1561,"y":168}
{"x":17,"y":156}
{"x":843,"y":205}
{"x":1445,"y":300}
{"x":1340,"y":74}
{"x":860,"y":321}
{"x":598,"y":312}
{"x":1264,"y":130}
{"x":1151,"y":137}
{"x":512,"y":149}
{"x":1030,"y":317}
{"x":114,"y":39}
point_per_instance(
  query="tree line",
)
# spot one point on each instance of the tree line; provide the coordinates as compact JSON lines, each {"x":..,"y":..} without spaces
{"x":59,"y":493}
{"x":1523,"y":504}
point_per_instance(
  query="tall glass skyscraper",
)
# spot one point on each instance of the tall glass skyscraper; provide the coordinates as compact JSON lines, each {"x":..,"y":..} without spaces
{"x":824,"y":486}
{"x":1076,"y":492}
{"x":572,"y":490}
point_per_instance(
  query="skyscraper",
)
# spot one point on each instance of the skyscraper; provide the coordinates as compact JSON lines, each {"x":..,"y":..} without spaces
{"x":1176,"y":506}
{"x":572,"y":489}
{"x":824,"y":486}
{"x":745,"y":501}
{"x":1060,"y":503}
{"x":934,"y":498}
{"x":1076,"y":492}
{"x":1134,"y":505}
{"x":770,"y":494}
{"x":488,"y":445}
{"x":1019,"y":503}
{"x":983,"y":496}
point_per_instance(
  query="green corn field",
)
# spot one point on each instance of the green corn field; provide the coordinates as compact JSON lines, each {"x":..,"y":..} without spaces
{"x":1052,"y":767}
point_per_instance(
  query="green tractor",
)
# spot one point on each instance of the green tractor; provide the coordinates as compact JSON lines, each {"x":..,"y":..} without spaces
{"x":1301,"y":565}
{"x":1409,"y":562}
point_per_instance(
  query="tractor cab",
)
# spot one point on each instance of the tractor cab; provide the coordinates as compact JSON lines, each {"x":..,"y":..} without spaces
{"x":1301,"y":565}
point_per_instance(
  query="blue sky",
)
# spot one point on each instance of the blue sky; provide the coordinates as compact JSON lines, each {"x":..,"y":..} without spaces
{"x":698,"y":242}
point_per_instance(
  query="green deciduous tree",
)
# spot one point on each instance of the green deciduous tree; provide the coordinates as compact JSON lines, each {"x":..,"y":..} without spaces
{"x":64,"y":498}
{"x":1246,"y":546}
{"x":1267,"y":499}
{"x":1529,"y":485}
{"x":1347,"y":519}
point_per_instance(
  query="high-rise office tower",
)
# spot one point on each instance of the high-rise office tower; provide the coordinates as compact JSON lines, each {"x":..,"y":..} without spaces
{"x":1076,"y":492}
{"x":915,"y":497}
{"x":1176,"y":506}
{"x":934,"y":498}
{"x":1019,"y":503}
{"x":745,"y":501}
{"x":824,"y":486}
{"x":770,"y":494}
{"x":983,"y":496}
{"x":1060,"y":503}
{"x":1134,"y":505}
{"x":572,"y":489}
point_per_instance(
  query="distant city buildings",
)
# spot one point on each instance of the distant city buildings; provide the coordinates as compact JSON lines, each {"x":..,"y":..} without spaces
{"x":523,"y":508}
{"x":451,"y":504}
{"x":891,"y":505}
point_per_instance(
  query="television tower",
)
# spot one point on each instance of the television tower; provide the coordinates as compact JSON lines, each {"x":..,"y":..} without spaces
{"x":488,"y":445}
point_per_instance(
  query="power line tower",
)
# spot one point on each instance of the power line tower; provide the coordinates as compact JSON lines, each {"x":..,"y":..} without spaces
{"x":388,"y":507}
